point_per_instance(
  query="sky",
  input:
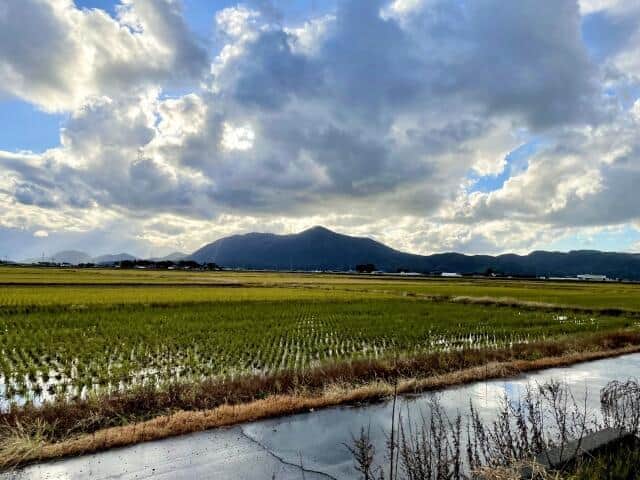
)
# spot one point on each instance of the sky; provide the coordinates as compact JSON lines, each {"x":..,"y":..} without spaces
{"x":478,"y":126}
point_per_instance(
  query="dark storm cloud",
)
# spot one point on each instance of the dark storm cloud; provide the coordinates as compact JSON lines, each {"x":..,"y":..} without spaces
{"x":271,"y":73}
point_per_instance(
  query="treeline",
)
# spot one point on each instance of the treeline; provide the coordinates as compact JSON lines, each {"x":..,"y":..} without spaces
{"x":157,"y":265}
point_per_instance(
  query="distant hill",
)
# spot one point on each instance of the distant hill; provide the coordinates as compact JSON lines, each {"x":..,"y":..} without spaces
{"x":71,"y":256}
{"x":321,"y":249}
{"x":113,"y":258}
{"x":172,"y":257}
{"x":74,"y":257}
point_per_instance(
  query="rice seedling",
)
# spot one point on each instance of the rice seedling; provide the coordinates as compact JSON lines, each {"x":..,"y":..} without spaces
{"x":101,"y":347}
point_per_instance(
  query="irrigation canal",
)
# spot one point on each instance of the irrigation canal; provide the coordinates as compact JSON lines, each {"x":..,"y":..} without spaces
{"x":310,"y":445}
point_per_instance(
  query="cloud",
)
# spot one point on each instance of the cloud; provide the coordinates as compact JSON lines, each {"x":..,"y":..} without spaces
{"x":525,"y":59}
{"x":611,"y":29}
{"x":373,"y":117}
{"x":584,"y":177}
{"x":41,"y":234}
{"x":56,"y":55}
{"x":592,"y":6}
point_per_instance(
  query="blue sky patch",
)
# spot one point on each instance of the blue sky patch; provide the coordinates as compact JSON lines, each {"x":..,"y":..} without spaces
{"x":517,"y":162}
{"x":24,"y":127}
{"x":625,"y":238}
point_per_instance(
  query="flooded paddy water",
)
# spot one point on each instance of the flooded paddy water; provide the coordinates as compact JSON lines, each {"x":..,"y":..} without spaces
{"x":312,"y":445}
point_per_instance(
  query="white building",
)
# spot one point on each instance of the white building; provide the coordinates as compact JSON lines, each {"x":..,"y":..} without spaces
{"x":450,"y":275}
{"x":592,"y":278}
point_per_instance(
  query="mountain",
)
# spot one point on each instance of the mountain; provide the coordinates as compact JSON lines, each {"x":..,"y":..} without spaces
{"x":172,"y":257}
{"x":74,"y":257}
{"x":321,"y":249}
{"x":70,"y":256}
{"x":316,"y":248}
{"x":113,"y":258}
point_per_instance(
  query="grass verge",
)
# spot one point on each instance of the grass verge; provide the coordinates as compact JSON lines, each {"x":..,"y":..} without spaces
{"x":621,"y":464}
{"x":63,"y":429}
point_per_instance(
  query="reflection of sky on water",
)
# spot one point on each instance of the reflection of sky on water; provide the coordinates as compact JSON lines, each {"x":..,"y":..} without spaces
{"x":317,"y":438}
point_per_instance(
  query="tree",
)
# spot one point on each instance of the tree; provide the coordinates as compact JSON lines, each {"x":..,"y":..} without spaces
{"x":365,"y":268}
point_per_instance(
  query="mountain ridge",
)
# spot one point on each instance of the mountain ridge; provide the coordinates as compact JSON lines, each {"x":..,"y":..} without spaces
{"x":76,"y":257}
{"x":319,"y":248}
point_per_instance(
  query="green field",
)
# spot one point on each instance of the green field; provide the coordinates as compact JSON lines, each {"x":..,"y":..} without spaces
{"x":101,"y":331}
{"x":591,"y":295}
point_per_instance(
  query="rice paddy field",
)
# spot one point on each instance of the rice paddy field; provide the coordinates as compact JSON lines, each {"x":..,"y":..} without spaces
{"x":71,"y":334}
{"x":590,"y":295}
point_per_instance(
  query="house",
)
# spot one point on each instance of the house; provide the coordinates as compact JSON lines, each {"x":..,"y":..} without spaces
{"x":450,"y":275}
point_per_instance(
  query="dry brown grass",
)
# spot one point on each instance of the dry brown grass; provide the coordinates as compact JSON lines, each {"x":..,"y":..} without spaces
{"x":514,"y":472}
{"x":528,"y":304}
{"x":24,"y":445}
{"x":19,"y":443}
{"x":508,"y":301}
